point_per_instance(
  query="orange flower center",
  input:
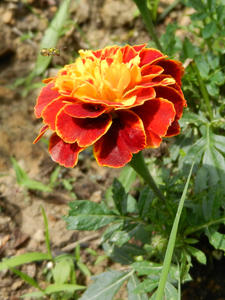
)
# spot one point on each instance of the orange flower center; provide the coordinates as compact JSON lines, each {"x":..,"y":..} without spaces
{"x":107,"y":79}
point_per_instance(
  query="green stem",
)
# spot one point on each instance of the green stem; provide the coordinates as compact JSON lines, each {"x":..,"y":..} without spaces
{"x":204,"y":92}
{"x":139,"y":165}
{"x":200,"y":227}
{"x":141,"y":4}
{"x":171,"y":243}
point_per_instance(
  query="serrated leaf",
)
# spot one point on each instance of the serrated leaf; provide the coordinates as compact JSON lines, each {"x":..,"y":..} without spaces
{"x":22,"y":259}
{"x":144,"y":201}
{"x":198,"y":254}
{"x":87,"y":215}
{"x":201,"y":179}
{"x":127,"y":177}
{"x":119,"y":196}
{"x":105,"y":285}
{"x":131,"y":286}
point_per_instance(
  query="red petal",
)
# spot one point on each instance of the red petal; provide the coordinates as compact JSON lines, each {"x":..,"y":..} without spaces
{"x":142,"y":94}
{"x":41,"y":133}
{"x":157,"y":115}
{"x":126,"y":136}
{"x":173,"y":68}
{"x":128,"y":53}
{"x":149,"y":55}
{"x":63,"y":153}
{"x":46,"y":96}
{"x":160,"y":80}
{"x":172,"y":95}
{"x":151,"y":69}
{"x":50,"y":111}
{"x":84,"y":110}
{"x":83,"y":131}
{"x":138,"y":48}
{"x":173,"y":130}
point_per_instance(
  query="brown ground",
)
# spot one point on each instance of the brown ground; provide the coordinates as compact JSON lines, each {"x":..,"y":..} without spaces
{"x":103,"y":22}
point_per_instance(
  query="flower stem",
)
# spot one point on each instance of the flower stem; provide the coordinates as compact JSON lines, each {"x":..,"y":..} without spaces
{"x":141,"y":4}
{"x":204,"y":92}
{"x":139,"y":165}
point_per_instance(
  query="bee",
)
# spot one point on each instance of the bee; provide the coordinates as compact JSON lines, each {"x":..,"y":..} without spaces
{"x":50,"y":52}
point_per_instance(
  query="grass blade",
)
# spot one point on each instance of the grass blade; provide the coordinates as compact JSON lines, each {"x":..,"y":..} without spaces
{"x":171,"y":243}
{"x":50,"y":38}
{"x":25,"y":258}
{"x":47,"y":239}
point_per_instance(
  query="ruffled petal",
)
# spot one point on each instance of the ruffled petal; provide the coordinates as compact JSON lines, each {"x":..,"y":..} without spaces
{"x":41,"y":133}
{"x":84,"y":110}
{"x":50,"y":111}
{"x":149,"y":55}
{"x":126,"y":136}
{"x":172,"y":95}
{"x":128,"y":53}
{"x":63,"y":153}
{"x":173,"y":68}
{"x":142,"y":94}
{"x":83,"y":131}
{"x":138,"y":48}
{"x":149,"y":70}
{"x":47,"y":94}
{"x":157,"y":115}
{"x":173,"y":130}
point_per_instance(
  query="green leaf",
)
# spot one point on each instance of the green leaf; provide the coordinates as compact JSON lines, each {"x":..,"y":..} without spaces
{"x":23,"y":179}
{"x":84,"y":269}
{"x":47,"y":239}
{"x":51,"y":37}
{"x":171,"y":243}
{"x":119,"y":196}
{"x":201,"y":179}
{"x":147,"y":268}
{"x":123,"y":255}
{"x":202,"y":66}
{"x":26,"y":278}
{"x":127,"y":177}
{"x":71,"y":288}
{"x":22,"y":259}
{"x":147,"y":286}
{"x":145,"y":201}
{"x":33,"y":295}
{"x":209,"y":30}
{"x":61,"y":271}
{"x":106,"y":285}
{"x":131,"y":286}
{"x":217,"y":240}
{"x":198,"y":254}
{"x":87,"y":215}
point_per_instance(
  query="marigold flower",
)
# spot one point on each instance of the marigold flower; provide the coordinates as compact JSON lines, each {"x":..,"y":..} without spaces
{"x":119,"y":99}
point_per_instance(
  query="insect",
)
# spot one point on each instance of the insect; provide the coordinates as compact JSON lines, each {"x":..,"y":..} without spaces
{"x":50,"y":52}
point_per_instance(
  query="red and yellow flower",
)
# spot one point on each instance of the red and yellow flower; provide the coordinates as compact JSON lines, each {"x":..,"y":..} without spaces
{"x":120,"y":100}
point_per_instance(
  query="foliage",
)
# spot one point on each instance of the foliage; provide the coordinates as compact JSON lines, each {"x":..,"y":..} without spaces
{"x":139,"y":229}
